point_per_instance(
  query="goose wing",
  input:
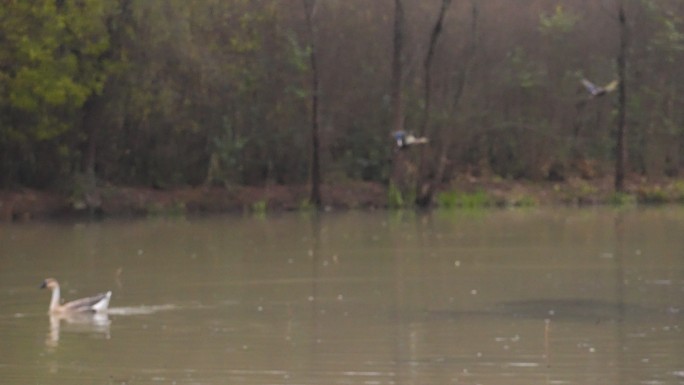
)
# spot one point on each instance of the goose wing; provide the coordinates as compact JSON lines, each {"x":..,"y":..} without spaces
{"x":591,"y":87}
{"x":97,"y":302}
{"x":611,"y":86}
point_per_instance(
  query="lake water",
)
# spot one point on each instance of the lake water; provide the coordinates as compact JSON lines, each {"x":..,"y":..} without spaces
{"x":539,"y":296}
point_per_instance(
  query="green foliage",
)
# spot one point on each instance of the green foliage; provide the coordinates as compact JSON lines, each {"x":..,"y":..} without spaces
{"x":668,"y":40}
{"x":298,"y":56}
{"x":524,"y":201}
{"x":52,"y":65}
{"x":217,"y":91}
{"x":396,"y":199}
{"x":52,"y":61}
{"x":225,"y":166}
{"x":655,"y":195}
{"x":458,"y":199}
{"x":679,"y":191}
{"x":476,"y":199}
{"x":259,"y":208}
{"x":306,"y":206}
{"x":559,"y":22}
{"x":364,"y":156}
{"x":523,"y":71}
{"x":447,"y":199}
{"x":622,"y":199}
{"x":173,"y":209}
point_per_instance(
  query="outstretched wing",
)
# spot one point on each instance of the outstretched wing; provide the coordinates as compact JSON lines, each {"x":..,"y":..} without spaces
{"x":591,"y":87}
{"x":411,"y":140}
{"x":610,"y":87}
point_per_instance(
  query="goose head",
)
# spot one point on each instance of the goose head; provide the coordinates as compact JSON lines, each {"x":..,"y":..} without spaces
{"x":400,"y":138}
{"x":50,"y":283}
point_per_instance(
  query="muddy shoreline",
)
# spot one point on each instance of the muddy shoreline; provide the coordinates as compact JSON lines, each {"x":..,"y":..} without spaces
{"x":118,"y":201}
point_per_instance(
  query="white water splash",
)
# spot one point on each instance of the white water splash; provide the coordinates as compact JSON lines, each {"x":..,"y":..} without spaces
{"x":140,"y":310}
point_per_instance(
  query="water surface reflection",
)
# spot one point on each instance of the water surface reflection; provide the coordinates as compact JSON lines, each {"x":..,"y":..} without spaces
{"x":87,"y":323}
{"x":497,"y":297}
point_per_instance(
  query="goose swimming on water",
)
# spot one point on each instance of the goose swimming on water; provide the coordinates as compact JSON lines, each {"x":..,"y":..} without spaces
{"x":95,"y":304}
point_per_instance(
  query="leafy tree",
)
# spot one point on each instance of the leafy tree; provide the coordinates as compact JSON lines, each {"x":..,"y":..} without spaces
{"x":51,"y":62}
{"x":170,"y":93}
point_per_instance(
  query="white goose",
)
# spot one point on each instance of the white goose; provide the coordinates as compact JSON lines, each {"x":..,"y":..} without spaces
{"x":95,"y":304}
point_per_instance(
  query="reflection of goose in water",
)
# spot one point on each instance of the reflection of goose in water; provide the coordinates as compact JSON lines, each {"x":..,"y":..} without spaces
{"x":93,"y":323}
{"x":94,"y":304}
{"x":83,"y":322}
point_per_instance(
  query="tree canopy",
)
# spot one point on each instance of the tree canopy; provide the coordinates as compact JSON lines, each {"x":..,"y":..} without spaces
{"x":174,"y":93}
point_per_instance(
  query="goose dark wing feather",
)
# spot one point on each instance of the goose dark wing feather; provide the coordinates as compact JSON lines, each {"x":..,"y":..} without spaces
{"x":85,"y":304}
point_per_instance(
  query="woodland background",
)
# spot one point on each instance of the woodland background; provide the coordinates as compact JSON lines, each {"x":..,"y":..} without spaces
{"x":254,"y":92}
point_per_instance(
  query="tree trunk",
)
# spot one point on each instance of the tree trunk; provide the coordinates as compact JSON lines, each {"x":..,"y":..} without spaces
{"x":315,"y":198}
{"x":427,"y":64}
{"x":423,"y":191}
{"x":90,"y":127}
{"x":458,"y":88}
{"x":399,"y":176}
{"x":397,"y":68}
{"x":86,"y":185}
{"x":621,"y":145}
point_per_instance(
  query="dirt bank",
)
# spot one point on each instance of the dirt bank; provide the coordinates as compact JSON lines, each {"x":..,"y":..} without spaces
{"x":111,"y":201}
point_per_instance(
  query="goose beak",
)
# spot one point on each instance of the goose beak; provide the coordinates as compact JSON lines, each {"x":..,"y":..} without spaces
{"x":44,"y":285}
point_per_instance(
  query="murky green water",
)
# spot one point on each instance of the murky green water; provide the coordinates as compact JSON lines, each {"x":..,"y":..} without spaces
{"x":496,"y":297}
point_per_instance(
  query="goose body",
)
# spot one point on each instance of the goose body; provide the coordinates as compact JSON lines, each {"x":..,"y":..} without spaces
{"x":405,"y":140}
{"x":95,"y":304}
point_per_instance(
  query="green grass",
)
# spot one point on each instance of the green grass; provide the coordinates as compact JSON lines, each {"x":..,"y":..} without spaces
{"x":306,"y":206}
{"x":176,"y":209}
{"x":622,"y":199}
{"x":655,"y":194}
{"x":259,"y":208}
{"x":525,"y":201}
{"x":398,"y":200}
{"x":458,"y":199}
{"x":679,"y":191}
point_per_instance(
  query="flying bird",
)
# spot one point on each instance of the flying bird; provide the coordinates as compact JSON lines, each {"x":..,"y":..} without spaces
{"x":405,"y":140}
{"x":597,"y":91}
